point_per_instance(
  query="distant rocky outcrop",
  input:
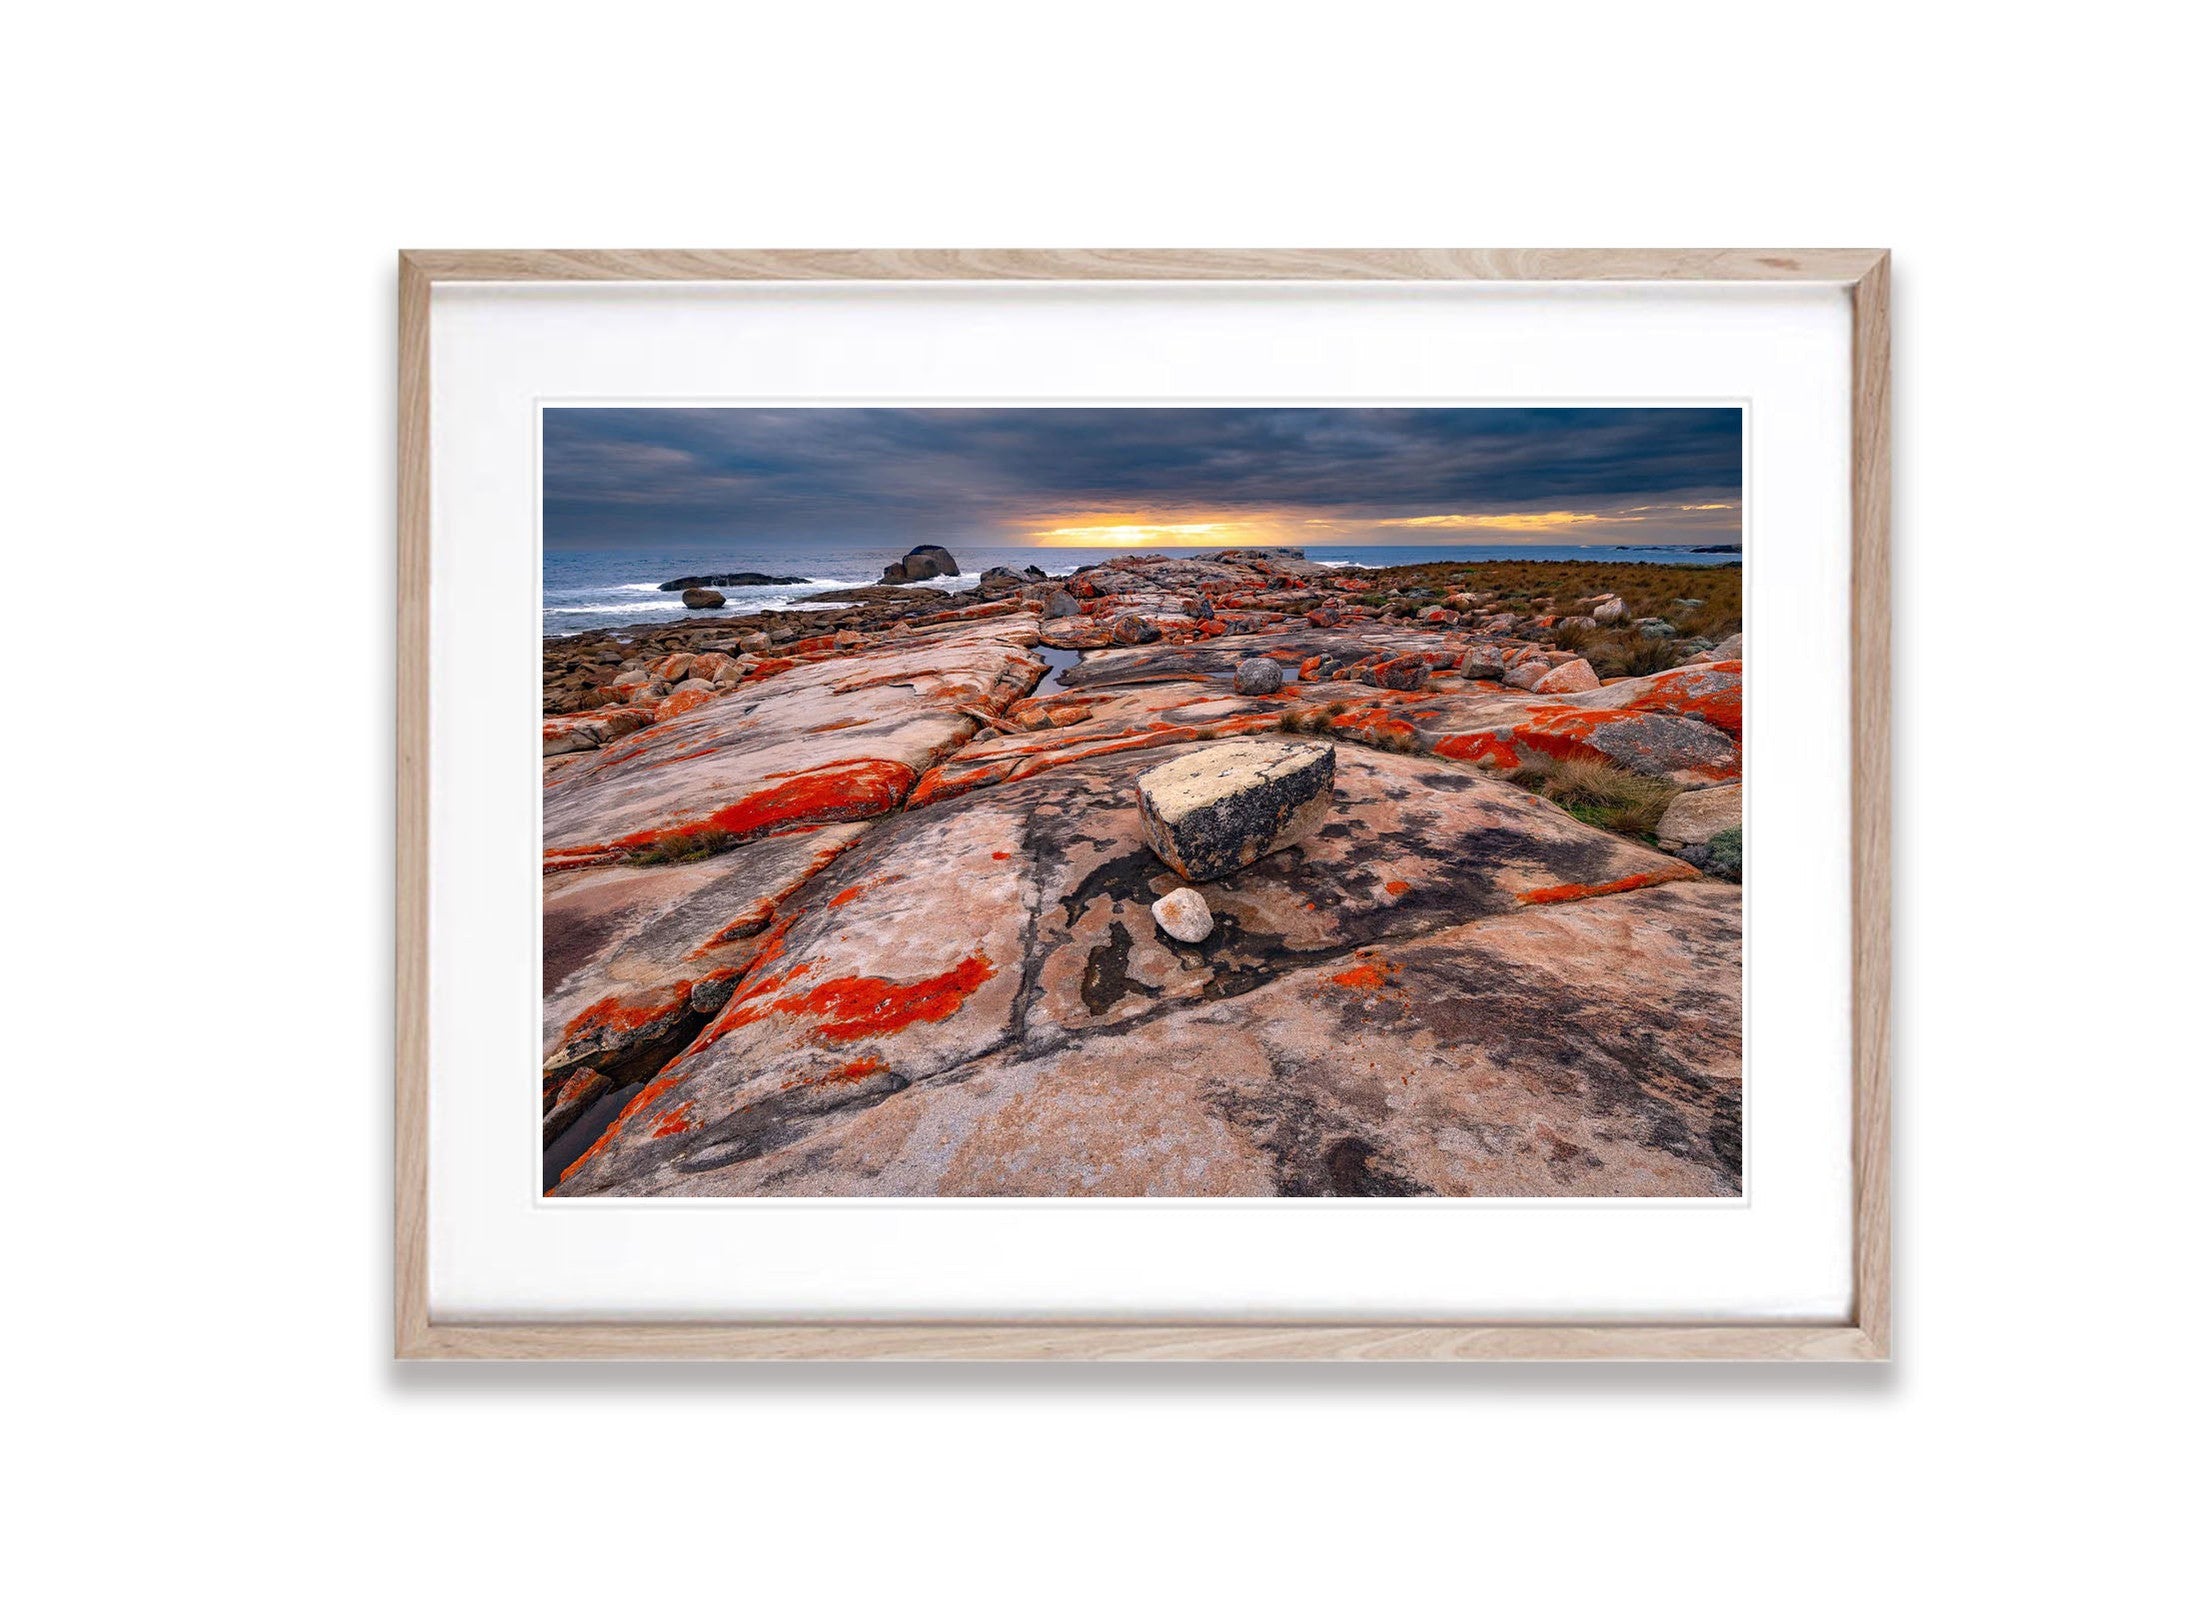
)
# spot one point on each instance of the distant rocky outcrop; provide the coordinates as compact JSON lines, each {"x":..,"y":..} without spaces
{"x":726,"y":580}
{"x":703,"y":599}
{"x":925,"y":561}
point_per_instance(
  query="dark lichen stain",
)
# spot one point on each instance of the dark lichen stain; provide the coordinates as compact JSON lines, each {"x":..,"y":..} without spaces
{"x":1107,"y":972}
{"x":1615,"y":1063}
{"x":1316,"y":1149}
{"x":780,"y":1120}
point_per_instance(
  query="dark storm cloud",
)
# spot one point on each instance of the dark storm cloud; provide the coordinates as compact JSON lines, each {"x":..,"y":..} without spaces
{"x":872,"y":475}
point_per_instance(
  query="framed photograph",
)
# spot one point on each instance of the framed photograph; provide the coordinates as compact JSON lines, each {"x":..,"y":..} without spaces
{"x":1143,"y":804}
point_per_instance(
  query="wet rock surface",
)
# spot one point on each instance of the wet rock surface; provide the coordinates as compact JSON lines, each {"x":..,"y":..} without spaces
{"x":834,"y":905}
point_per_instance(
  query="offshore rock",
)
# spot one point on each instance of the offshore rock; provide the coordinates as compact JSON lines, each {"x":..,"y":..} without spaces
{"x":926,"y":560}
{"x":1210,"y":813}
{"x":702,"y":599}
{"x":726,"y":580}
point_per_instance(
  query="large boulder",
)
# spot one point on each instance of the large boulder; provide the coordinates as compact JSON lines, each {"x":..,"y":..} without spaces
{"x":1221,"y":808}
{"x":1062,"y":603}
{"x":1257,"y":675}
{"x":702,"y":599}
{"x":926,"y":560}
{"x":1611,"y":610}
{"x":1728,"y":651}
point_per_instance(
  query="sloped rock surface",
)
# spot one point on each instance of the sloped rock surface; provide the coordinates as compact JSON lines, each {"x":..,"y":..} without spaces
{"x":869,"y":992}
{"x":635,"y":959}
{"x":808,"y":746}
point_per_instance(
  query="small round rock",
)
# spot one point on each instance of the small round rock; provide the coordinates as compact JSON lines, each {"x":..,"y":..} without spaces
{"x":1258,"y":675}
{"x":1183,"y":915}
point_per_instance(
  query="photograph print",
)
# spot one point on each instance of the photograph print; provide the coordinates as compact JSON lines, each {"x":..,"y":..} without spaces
{"x":1118,"y":802}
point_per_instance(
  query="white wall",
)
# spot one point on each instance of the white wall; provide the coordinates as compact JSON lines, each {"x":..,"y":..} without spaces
{"x":200,"y":355}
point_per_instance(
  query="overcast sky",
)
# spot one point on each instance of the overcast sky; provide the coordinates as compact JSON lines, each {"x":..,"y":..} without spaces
{"x":1065,"y":477}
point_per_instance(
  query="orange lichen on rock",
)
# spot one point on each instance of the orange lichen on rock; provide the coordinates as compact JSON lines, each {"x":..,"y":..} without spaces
{"x":673,"y":1121}
{"x":861,"y":1007}
{"x":844,"y":791}
{"x":627,"y":1013}
{"x":856,"y":1070}
{"x":1714,"y":691}
{"x":1563,"y":893}
{"x":681,"y":701}
{"x":664,"y":1083}
{"x":1371,"y":972}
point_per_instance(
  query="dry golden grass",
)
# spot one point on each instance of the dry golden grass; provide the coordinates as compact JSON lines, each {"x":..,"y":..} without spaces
{"x":1598,"y":794}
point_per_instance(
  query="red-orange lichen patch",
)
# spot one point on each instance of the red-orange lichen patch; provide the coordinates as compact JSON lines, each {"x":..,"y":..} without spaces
{"x":629,"y":1013}
{"x":1716,"y":695}
{"x":1564,"y":893}
{"x":841,"y":792}
{"x":1396,"y":887}
{"x":846,"y":896}
{"x":673,"y":1121}
{"x":848,"y":1008}
{"x":860,"y":1007}
{"x":856,"y":1070}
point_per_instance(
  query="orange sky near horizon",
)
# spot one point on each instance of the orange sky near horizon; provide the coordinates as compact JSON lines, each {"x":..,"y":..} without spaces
{"x":1636,"y":524}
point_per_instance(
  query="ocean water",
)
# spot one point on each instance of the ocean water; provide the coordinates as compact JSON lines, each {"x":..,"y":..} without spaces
{"x":583,"y":589}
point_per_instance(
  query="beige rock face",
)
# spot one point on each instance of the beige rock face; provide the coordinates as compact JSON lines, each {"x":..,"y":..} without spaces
{"x":1700,"y":816}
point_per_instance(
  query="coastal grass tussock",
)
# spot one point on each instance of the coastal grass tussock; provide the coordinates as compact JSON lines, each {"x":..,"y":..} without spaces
{"x":1616,"y":653}
{"x":1596,"y":793}
{"x":1309,"y":719}
{"x":679,"y":849}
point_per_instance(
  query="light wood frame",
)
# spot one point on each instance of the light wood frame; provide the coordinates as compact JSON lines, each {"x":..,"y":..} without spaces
{"x":1864,"y":1335}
